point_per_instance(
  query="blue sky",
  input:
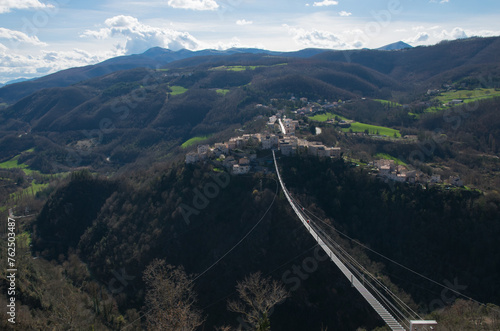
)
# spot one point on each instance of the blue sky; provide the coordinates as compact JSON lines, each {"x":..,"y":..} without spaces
{"x":38,"y":37}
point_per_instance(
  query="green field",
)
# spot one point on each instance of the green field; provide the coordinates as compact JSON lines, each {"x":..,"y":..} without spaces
{"x":222,"y":91}
{"x":387,"y":102}
{"x":14,"y":163}
{"x":234,"y":68}
{"x":389,"y":157}
{"x":468,"y":95}
{"x":243,"y":68}
{"x":325,"y":117}
{"x":194,"y":140}
{"x":176,"y":90}
{"x":32,"y":190}
{"x":358,"y":127}
{"x":372,"y":129}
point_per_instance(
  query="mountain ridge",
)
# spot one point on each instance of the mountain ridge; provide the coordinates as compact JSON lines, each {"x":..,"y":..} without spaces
{"x":152,"y":58}
{"x":395,"y":46}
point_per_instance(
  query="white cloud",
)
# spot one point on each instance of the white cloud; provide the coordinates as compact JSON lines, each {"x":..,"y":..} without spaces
{"x":419,"y":38}
{"x":194,"y":4}
{"x":320,"y":39}
{"x":232,"y":43}
{"x":13,"y":66}
{"x":456,"y":33}
{"x":345,"y":14}
{"x":244,"y":22}
{"x":18,"y":37}
{"x":140,"y":37}
{"x":7,"y":6}
{"x":325,"y":3}
{"x":485,"y":33}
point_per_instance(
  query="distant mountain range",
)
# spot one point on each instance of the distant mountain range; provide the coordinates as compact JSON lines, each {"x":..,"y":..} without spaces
{"x":155,"y":57}
{"x":19,"y":80}
{"x":395,"y":46}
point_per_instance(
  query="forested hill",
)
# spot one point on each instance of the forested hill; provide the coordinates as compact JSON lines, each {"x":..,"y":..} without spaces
{"x":448,"y":236}
{"x":152,"y":59}
{"x":141,"y":219}
{"x":446,"y":61}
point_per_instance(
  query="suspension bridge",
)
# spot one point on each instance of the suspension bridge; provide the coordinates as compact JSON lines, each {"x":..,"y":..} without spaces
{"x":393,"y":311}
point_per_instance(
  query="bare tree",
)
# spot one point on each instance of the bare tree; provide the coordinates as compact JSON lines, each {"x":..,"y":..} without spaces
{"x":257,"y":298}
{"x":170,"y":298}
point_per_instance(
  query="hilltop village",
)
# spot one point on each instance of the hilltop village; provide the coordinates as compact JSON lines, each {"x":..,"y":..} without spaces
{"x":239,"y":155}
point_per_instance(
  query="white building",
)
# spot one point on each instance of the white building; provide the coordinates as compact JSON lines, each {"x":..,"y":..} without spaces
{"x":286,"y":148}
{"x":266,"y":144}
{"x":312,"y":148}
{"x":412,"y":176}
{"x":385,"y":163}
{"x":436,"y":179}
{"x":269,"y":141}
{"x":237,"y":142}
{"x":249,"y":138}
{"x":240,"y":169}
{"x":385,"y":170}
{"x":203,"y":149}
{"x":290,"y":126}
{"x":302,"y":145}
{"x":323,"y":152}
{"x":335,"y":152}
{"x":456,"y":181}
{"x":221,"y":149}
{"x":229,"y":162}
{"x":191,"y":157}
{"x":244,"y":161}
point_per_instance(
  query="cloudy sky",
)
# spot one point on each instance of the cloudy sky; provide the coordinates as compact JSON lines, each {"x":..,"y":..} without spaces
{"x":38,"y":37}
